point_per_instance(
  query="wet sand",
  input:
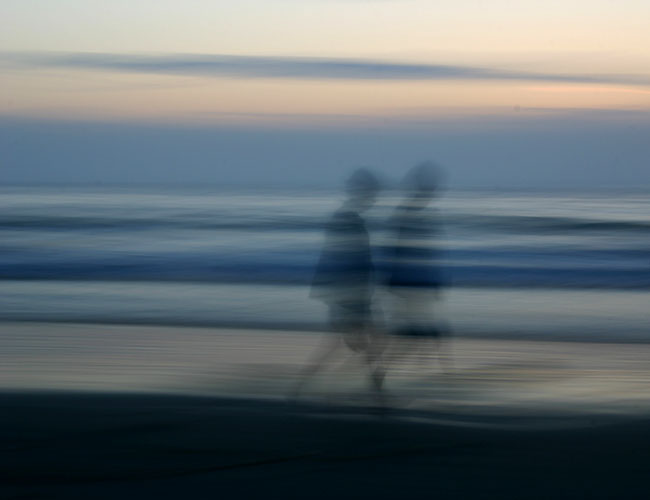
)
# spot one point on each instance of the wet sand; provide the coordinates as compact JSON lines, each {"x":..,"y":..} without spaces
{"x":522,"y":375}
{"x":92,"y":411}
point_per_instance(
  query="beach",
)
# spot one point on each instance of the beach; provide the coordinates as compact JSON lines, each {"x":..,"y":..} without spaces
{"x":325,"y":250}
{"x":160,"y":412}
{"x":66,"y":445}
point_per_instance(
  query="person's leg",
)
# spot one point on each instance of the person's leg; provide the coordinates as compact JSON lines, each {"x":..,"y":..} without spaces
{"x":331,"y":343}
{"x":378,"y":344}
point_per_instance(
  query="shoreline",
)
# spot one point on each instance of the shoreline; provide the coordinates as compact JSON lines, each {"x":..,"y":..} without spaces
{"x":318,"y":329}
{"x":566,"y":314}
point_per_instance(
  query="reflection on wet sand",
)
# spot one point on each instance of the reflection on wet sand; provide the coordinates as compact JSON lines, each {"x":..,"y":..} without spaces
{"x":489,"y":375}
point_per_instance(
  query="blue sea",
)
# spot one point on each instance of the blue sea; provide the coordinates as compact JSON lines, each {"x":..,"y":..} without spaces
{"x":516,"y":264}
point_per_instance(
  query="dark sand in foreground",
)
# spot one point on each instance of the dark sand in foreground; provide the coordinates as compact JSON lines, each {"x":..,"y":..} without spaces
{"x":99,"y":411}
{"x":91,"y":445}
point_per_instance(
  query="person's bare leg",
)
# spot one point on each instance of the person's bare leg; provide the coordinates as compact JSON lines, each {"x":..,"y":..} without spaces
{"x":366,"y":353}
{"x":330,"y":344}
{"x":374,"y":358}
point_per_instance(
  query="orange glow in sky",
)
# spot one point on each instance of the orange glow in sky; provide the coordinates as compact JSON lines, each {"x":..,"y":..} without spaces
{"x":527,"y":36}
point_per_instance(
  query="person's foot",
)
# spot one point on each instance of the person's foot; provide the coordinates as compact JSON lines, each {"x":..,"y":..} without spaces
{"x":377,"y":377}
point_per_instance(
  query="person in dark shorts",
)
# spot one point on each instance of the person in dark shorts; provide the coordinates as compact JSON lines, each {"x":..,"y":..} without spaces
{"x":413,"y":274}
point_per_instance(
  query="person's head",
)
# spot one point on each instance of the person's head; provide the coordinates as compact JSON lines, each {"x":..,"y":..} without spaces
{"x":422,"y":181}
{"x":362,"y":188}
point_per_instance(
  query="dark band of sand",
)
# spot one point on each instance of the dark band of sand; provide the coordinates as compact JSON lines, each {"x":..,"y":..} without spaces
{"x":80,"y":445}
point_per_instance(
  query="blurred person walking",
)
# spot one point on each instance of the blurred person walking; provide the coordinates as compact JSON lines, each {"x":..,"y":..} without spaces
{"x":413,"y":273}
{"x":344,"y":281}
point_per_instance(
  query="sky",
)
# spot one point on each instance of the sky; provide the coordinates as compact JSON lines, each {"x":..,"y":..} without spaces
{"x":503,"y":94}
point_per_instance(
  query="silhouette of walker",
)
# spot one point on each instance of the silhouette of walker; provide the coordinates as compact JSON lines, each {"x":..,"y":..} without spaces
{"x":344,"y":281}
{"x":413,"y":277}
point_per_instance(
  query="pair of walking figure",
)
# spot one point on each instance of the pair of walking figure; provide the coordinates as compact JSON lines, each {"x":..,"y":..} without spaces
{"x":346,"y":278}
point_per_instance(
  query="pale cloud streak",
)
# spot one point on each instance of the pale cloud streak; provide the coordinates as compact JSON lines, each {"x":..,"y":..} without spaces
{"x":298,"y":68}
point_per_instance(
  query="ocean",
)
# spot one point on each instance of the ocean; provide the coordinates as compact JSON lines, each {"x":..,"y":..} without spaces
{"x":516,"y":264}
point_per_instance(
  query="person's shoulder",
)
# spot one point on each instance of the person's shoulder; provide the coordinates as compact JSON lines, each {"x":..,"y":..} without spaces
{"x":342,"y":219}
{"x":346,"y":213}
{"x":410,"y":216}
